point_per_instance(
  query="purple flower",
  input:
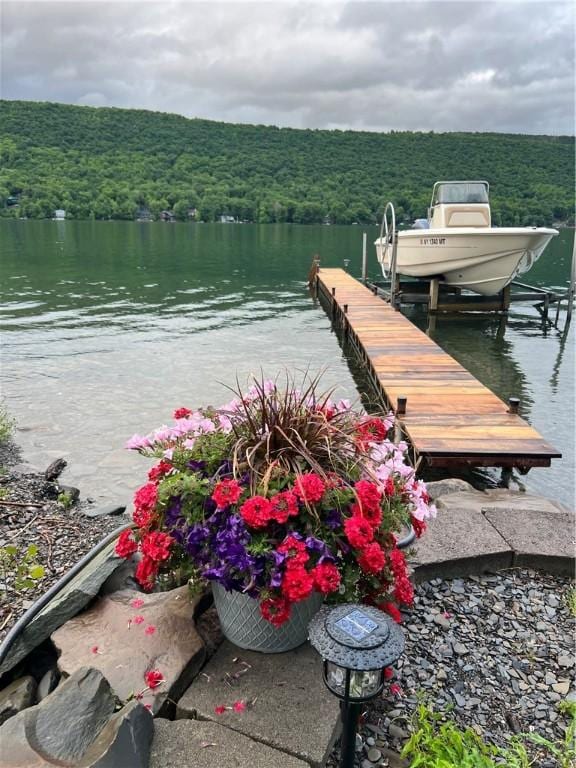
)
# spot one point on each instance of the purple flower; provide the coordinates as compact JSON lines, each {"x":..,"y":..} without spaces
{"x":333,"y":518}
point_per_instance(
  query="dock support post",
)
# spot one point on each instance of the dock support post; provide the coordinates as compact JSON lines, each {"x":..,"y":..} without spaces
{"x":364,"y":259}
{"x":333,"y":303}
{"x":514,"y":405}
{"x":434,"y":291}
{"x":401,"y":403}
{"x":546,"y":307}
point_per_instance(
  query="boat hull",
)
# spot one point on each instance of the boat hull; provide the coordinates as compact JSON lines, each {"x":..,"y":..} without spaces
{"x":481,"y":260}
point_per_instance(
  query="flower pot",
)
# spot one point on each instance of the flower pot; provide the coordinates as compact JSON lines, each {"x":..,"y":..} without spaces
{"x":243,"y":625}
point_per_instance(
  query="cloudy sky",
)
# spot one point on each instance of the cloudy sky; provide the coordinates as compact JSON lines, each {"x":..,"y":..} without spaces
{"x":442,"y":66}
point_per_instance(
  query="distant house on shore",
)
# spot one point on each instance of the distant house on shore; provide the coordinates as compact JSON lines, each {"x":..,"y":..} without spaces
{"x":143,"y":214}
{"x":167,"y":216}
{"x":59,"y":214}
{"x":224,"y":219}
{"x":192,"y":213}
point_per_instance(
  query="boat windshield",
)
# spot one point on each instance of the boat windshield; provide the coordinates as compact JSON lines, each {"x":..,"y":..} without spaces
{"x":461,"y":192}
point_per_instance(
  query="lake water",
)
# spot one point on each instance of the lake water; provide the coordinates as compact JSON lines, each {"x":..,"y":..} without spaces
{"x":108,"y":326}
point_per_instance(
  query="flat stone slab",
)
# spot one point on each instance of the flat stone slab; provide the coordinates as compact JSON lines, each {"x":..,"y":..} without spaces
{"x":460,"y":541}
{"x":66,"y":604}
{"x":539,"y":539}
{"x":209,"y":745}
{"x":293,"y":710}
{"x":127,"y":634}
{"x":503,"y":499}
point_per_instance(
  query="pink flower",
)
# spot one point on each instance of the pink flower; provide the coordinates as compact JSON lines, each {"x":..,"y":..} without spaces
{"x":138,"y":619}
{"x":388,"y":673}
{"x":153,"y":678}
{"x":137,"y":602}
{"x":395,"y":689}
{"x":239,"y":706}
{"x":220,"y":710}
{"x":150,"y":629}
{"x":148,"y":706}
{"x":94,"y":649}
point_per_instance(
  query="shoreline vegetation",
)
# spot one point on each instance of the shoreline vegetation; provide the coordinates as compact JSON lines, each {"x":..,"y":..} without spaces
{"x":127,"y":164}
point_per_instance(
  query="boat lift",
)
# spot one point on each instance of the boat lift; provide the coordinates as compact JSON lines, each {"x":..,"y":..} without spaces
{"x":438,"y":297}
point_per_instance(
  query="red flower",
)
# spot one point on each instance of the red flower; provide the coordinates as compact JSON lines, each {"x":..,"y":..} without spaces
{"x":256,"y":512}
{"x":227,"y":492}
{"x":295,"y":551}
{"x":404,"y":591}
{"x":219,"y":710}
{"x":388,"y":673}
{"x":126,"y":545}
{"x":389,"y":487}
{"x":156,"y":545}
{"x":284,"y":505}
{"x":145,"y":500}
{"x":309,"y":487}
{"x":419,"y":526}
{"x":297,"y":584}
{"x":395,"y":689}
{"x":374,"y":516}
{"x":372,"y":558}
{"x":326,"y":577}
{"x":137,"y":602}
{"x":181,"y":413}
{"x":392,"y":611}
{"x":150,"y":629}
{"x":157,"y":473}
{"x":239,"y":706}
{"x":276,"y":610}
{"x":146,"y":571}
{"x":358,"y":531}
{"x":138,"y":619}
{"x":153,"y":678}
{"x":371,"y":431}
{"x":369,"y":495}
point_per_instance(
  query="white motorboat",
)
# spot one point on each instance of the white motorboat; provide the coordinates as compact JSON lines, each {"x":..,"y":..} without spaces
{"x":458,"y":244}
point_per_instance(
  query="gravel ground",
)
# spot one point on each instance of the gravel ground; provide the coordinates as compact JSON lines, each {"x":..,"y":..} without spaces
{"x":31,"y":514}
{"x":498,"y":650}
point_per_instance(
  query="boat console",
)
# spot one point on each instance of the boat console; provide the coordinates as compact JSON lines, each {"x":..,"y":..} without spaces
{"x":459,"y":204}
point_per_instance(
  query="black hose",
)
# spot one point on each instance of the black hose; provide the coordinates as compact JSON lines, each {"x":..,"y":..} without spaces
{"x":407,"y":540}
{"x":35,"y":609}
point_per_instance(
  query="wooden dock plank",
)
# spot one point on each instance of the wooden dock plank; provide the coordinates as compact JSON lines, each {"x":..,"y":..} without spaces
{"x":451,"y":418}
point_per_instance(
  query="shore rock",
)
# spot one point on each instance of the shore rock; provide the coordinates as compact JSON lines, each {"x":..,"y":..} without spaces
{"x":127,"y":634}
{"x":17,"y":696}
{"x":41,"y":736}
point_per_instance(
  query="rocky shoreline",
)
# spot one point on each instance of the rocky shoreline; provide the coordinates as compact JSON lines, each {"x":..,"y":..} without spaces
{"x":31,"y":513}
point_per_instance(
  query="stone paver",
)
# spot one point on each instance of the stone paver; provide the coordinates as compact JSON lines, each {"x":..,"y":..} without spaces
{"x":460,"y":541}
{"x":293,"y":710}
{"x":209,"y":745}
{"x":125,"y":642}
{"x":540,"y":539}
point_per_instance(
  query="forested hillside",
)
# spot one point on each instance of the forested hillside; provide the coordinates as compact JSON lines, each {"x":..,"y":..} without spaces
{"x":116,"y":163}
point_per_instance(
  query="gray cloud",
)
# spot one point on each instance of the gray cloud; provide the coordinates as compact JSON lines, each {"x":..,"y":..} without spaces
{"x":443,"y":66}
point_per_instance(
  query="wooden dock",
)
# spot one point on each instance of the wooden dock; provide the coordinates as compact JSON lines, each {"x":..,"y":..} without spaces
{"x":447,"y":416}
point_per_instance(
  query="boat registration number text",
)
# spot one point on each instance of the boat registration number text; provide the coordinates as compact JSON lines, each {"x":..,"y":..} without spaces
{"x":432,"y":241}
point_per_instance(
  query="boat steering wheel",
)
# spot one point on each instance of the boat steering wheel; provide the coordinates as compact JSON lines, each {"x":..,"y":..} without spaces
{"x":386,"y":240}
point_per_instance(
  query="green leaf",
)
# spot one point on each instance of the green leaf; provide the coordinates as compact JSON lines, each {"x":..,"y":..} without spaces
{"x":36,"y":572}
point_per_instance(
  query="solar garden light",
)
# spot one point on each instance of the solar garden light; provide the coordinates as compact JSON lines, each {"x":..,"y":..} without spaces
{"x":356,"y":643}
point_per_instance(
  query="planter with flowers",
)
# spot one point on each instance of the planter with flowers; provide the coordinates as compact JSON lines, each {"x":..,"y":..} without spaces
{"x":280,"y":499}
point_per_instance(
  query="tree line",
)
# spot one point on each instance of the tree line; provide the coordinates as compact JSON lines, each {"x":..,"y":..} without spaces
{"x":107,"y":163}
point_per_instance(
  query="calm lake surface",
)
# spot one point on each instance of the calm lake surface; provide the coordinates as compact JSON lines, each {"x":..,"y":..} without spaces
{"x":108,"y":326}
